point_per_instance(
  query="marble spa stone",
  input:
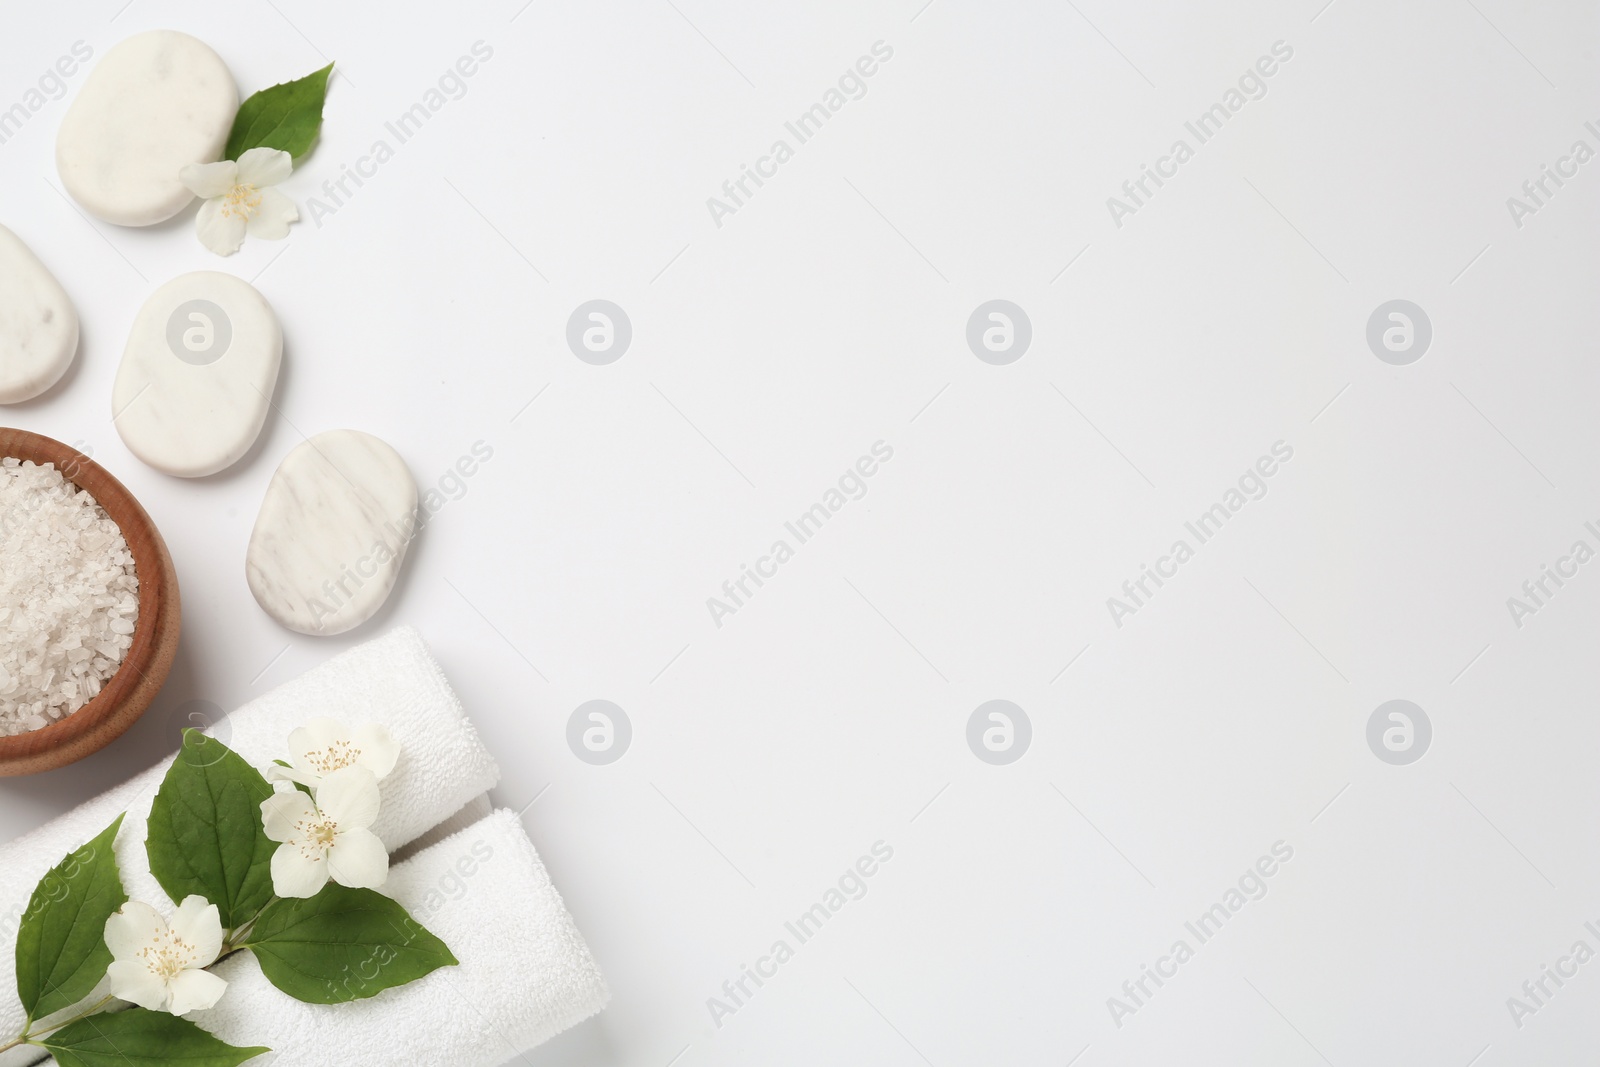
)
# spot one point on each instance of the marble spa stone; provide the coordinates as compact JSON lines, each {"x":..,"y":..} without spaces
{"x":153,"y":104}
{"x":197,"y":375}
{"x":38,"y":324}
{"x":332,"y":533}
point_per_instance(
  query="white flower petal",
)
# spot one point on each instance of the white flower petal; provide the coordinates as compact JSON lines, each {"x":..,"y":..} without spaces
{"x":199,"y":924}
{"x":136,"y":983}
{"x":359,"y":860}
{"x":379,"y":749}
{"x":283,"y":778}
{"x":194,"y":990}
{"x":133,"y":927}
{"x":294,"y":874}
{"x":220,"y":231}
{"x":349,"y":797}
{"x":262,"y":167}
{"x":272,"y":217}
{"x":281,"y":811}
{"x":208,"y":180}
{"x":308,"y":743}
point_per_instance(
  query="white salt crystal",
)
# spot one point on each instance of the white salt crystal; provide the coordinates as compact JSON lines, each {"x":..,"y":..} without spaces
{"x":69,"y":597}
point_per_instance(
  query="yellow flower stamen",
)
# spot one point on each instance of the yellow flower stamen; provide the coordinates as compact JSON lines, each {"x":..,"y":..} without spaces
{"x":335,"y":757}
{"x":241,"y":202}
{"x":316,"y":836}
{"x":168,"y":955}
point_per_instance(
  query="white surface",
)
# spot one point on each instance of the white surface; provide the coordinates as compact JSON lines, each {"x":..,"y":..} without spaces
{"x":430,"y":307}
{"x":151,"y":106}
{"x":332,"y":534}
{"x":38,"y":324}
{"x":197,"y":374}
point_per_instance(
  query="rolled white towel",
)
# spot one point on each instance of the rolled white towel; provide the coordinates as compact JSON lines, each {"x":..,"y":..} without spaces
{"x":476,"y":810}
{"x":525,"y":973}
{"x":392,"y":680}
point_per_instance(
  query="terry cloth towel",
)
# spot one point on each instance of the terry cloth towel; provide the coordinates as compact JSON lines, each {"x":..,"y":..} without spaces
{"x":525,"y":973}
{"x":476,"y":810}
{"x":392,"y":680}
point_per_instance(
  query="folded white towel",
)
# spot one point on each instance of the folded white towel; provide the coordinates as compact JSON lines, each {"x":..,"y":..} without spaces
{"x":476,"y":810}
{"x":525,"y":973}
{"x":392,"y":680}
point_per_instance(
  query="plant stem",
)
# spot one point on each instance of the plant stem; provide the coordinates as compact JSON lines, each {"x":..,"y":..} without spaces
{"x":237,"y":938}
{"x":28,"y":1037}
{"x":12,"y":1044}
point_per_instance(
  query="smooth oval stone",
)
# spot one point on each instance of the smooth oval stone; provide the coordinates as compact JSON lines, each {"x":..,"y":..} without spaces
{"x":38,"y":324}
{"x":197,"y":376}
{"x":332,"y":533}
{"x":152,"y":105}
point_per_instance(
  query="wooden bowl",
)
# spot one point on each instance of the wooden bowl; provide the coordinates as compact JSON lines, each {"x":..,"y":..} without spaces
{"x":144,"y":667}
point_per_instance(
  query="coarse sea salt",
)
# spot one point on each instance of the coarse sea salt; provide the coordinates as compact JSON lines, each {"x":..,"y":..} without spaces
{"x":69,"y":597}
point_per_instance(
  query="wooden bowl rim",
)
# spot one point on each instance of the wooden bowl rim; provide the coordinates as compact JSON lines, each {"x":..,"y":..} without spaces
{"x":146,"y":663}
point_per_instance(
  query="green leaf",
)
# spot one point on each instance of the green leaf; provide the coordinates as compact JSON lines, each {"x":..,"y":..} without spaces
{"x":342,"y":945}
{"x":141,"y":1038}
{"x":61,"y":941}
{"x":205,"y":831}
{"x":287,"y":117}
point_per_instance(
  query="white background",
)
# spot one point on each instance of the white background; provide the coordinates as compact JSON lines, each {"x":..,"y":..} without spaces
{"x":829,"y":313}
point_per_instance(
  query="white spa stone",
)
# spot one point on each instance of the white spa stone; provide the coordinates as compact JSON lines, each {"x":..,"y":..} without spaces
{"x":38,"y":324}
{"x":197,"y":376}
{"x":332,"y":533}
{"x":153,"y":104}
